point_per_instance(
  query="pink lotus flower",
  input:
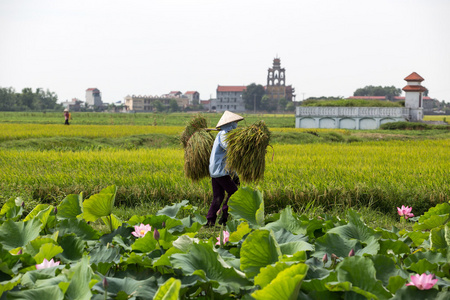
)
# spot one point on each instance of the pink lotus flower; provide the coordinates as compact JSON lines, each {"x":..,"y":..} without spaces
{"x":47,"y":264}
{"x":405,"y":212}
{"x":423,"y":282}
{"x":226,"y":237}
{"x":141,"y":230}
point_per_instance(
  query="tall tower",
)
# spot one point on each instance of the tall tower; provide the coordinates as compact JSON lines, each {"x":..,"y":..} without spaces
{"x":276,"y":81}
{"x":413,"y":96}
{"x":93,"y":97}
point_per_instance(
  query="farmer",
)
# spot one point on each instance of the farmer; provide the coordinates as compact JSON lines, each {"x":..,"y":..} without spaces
{"x":66,"y":116}
{"x":222,"y":180}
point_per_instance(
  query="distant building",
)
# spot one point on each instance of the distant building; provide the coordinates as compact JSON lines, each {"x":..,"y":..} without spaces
{"x":230,"y":98}
{"x":145,"y":103}
{"x":276,"y":88}
{"x":193,"y":96}
{"x":414,"y":96}
{"x":182,"y":101}
{"x":175,"y":94}
{"x":365,"y":117}
{"x":93,"y":97}
{"x":73,"y":105}
{"x":209,"y":105}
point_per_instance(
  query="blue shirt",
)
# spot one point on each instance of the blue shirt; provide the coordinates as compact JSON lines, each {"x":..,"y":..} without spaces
{"x":217,"y":160}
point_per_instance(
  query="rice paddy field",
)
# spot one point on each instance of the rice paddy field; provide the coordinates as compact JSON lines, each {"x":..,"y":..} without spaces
{"x":147,"y":119}
{"x":43,"y":162}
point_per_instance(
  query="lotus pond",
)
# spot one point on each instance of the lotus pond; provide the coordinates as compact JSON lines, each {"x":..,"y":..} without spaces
{"x":58,"y":252}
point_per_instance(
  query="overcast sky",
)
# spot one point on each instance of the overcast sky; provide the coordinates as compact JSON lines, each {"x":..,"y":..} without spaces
{"x":152,"y":47}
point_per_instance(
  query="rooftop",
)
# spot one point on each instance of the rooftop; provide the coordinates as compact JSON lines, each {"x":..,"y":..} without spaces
{"x":231,"y":88}
{"x":414,"y":77}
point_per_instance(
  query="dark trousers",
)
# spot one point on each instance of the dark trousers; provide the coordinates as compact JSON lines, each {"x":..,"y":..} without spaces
{"x":220,"y":185}
{"x":66,"y":122}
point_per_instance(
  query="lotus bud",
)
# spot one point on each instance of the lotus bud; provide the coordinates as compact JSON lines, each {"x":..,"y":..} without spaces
{"x":334,"y":257}
{"x":351,"y":253}
{"x":55,"y":210}
{"x":19,"y":252}
{"x":23,"y":204}
{"x":325,"y":258}
{"x":105,"y":283}
{"x":156,"y":234}
{"x":163,"y":224}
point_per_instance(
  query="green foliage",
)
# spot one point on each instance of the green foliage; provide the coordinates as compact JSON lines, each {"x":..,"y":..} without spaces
{"x":269,"y":105}
{"x":279,"y":257}
{"x":173,"y":105}
{"x":325,"y":98}
{"x":370,"y":90}
{"x":412,"y":126}
{"x":248,"y":204}
{"x":101,"y":205}
{"x":351,"y":103}
{"x":28,"y":100}
{"x":170,"y":290}
{"x":252,"y":96}
{"x":159,"y":106}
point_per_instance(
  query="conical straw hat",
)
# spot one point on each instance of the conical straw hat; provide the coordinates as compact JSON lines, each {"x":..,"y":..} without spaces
{"x":228,"y":117}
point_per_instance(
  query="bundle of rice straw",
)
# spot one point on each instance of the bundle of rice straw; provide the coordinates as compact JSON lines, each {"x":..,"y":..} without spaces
{"x":246,"y":151}
{"x":197,"y":144}
{"x":196,"y":123}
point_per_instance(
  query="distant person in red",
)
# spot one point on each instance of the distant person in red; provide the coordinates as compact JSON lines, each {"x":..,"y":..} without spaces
{"x":66,"y":116}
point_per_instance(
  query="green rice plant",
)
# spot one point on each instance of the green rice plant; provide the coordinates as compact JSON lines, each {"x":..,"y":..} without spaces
{"x":26,"y":131}
{"x":135,"y":119}
{"x":246,"y":151}
{"x":382,"y":174}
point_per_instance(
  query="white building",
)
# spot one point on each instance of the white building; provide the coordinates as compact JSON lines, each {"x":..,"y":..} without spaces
{"x":365,"y":117}
{"x":193,"y":96}
{"x":93,"y":97}
{"x":230,"y":98}
{"x":414,"y":96}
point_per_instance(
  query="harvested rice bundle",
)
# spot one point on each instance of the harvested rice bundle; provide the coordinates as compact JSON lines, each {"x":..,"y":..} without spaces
{"x":246,"y":151}
{"x":196,"y":155}
{"x":196,"y":123}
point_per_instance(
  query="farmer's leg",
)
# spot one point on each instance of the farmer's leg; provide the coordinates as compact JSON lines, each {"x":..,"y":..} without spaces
{"x":230,"y":187}
{"x":218,"y":196}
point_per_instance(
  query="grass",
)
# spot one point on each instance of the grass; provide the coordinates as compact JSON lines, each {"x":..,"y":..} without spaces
{"x":352,"y":103}
{"x":381,"y":174}
{"x":445,"y":118}
{"x":140,"y":119}
{"x":40,"y":137}
{"x":332,"y":169}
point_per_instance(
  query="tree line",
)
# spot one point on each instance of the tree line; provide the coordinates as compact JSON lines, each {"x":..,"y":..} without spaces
{"x":255,"y":98}
{"x":388,"y":91}
{"x":28,"y":100}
